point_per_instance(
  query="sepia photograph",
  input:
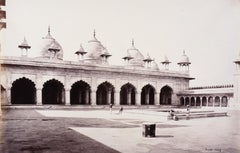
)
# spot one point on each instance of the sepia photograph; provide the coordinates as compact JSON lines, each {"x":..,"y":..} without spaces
{"x":120,"y":76}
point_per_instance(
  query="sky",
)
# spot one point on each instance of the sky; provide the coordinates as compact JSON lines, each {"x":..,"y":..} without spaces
{"x":208,"y":31}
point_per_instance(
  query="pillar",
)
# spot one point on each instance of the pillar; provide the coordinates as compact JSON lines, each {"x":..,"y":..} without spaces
{"x":128,"y":97}
{"x":67,"y":94}
{"x":156,"y":98}
{"x":93,"y":97}
{"x":80,"y":97}
{"x":147,"y":98}
{"x":213,"y":101}
{"x":39,"y":96}
{"x":195,"y":101}
{"x":109,"y":96}
{"x":9,"y":96}
{"x":138,"y":97}
{"x":117,"y":97}
{"x":200,"y":101}
{"x":87,"y":96}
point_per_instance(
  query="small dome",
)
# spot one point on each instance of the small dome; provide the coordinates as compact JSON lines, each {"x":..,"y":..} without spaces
{"x":49,"y":42}
{"x":24,"y":44}
{"x":184,"y":59}
{"x":94,"y":51}
{"x":137,"y":57}
{"x":165,"y":60}
{"x":148,"y":58}
{"x":80,"y":51}
{"x":237,"y":61}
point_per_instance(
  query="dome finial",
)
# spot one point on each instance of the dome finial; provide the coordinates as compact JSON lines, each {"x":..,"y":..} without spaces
{"x":132,"y":42}
{"x":94,"y":33}
{"x":49,"y":29}
{"x":184,"y":52}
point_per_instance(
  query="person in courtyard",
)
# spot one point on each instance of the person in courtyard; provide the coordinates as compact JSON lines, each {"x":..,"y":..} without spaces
{"x":110,"y":107}
{"x":171,"y":112}
{"x":188,"y":112}
{"x":120,"y":110}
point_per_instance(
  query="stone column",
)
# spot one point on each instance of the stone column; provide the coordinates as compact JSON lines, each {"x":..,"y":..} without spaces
{"x":207,"y":101}
{"x":9,"y":96}
{"x":200,"y":101}
{"x":39,"y":96}
{"x":109,"y":96}
{"x":156,"y":99}
{"x":67,"y":94}
{"x":80,"y":97}
{"x":128,"y":97}
{"x":87,"y":96}
{"x":138,"y":98}
{"x":213,"y":101}
{"x":117,"y":97}
{"x":93,"y":97}
{"x":147,"y":98}
{"x":195,"y":101}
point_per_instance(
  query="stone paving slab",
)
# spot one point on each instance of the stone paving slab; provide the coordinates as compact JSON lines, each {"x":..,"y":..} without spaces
{"x":99,"y":131}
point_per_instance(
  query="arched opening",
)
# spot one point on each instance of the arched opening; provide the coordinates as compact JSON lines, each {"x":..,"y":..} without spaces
{"x":105,"y":94}
{"x":182,"y":101}
{"x":147,"y":95}
{"x":166,"y":95}
{"x":192,"y":101}
{"x":204,"y":101}
{"x":187,"y":101}
{"x":198,"y":101}
{"x":23,"y":91}
{"x":210,"y":101}
{"x":127,"y":94}
{"x":3,"y":95}
{"x":53,"y":92}
{"x":224,"y":101}
{"x":80,"y":93}
{"x":217,"y":101}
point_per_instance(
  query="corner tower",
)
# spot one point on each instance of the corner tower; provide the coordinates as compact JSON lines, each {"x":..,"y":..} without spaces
{"x":237,"y":83}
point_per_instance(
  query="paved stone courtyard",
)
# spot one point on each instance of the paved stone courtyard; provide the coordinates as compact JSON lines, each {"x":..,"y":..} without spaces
{"x":98,"y":130}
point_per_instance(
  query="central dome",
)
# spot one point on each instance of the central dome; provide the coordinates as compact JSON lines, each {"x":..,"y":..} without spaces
{"x":94,"y":50}
{"x":137,"y":57}
{"x":47,"y":42}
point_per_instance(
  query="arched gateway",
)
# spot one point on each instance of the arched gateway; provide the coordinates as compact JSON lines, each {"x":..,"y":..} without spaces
{"x":147,"y":95}
{"x":80,"y":93}
{"x":166,"y":95}
{"x":127,"y":94}
{"x":105,"y":94}
{"x":23,"y":91}
{"x":53,"y":92}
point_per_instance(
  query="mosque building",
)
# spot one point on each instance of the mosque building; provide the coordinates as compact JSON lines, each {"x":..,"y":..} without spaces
{"x":47,"y":79}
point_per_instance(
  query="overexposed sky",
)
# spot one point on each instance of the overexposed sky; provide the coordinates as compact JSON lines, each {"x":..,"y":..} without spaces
{"x":208,"y":30}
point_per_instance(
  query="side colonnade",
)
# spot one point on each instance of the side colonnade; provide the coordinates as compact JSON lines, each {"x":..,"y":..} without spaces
{"x":52,"y":91}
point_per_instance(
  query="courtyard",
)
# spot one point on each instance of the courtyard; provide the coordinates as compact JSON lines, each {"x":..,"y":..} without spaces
{"x":89,"y":130}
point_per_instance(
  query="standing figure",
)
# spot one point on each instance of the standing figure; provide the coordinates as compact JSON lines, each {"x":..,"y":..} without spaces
{"x":110,"y":107}
{"x":121,"y":110}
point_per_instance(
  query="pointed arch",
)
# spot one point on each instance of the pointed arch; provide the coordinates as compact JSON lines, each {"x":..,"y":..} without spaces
{"x":182,"y":101}
{"x":23,"y":91}
{"x":80,"y":93}
{"x":127,"y":94}
{"x":210,"y":101}
{"x":187,"y":102}
{"x":204,"y":101}
{"x":217,"y":101}
{"x":224,"y":102}
{"x":198,"y":101}
{"x":147,"y":95}
{"x":105,"y":93}
{"x":53,"y":92}
{"x":166,"y":95}
{"x":192,"y":103}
